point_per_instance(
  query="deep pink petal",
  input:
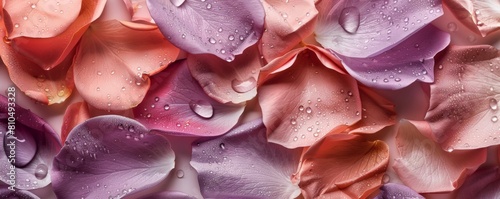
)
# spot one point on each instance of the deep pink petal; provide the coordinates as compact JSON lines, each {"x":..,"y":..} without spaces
{"x":176,"y":103}
{"x":113,"y":64}
{"x":401,"y":65}
{"x":302,"y":99}
{"x":483,"y":183}
{"x":110,"y":156}
{"x":464,"y":99}
{"x":242,"y":164}
{"x":234,"y":82}
{"x":361,"y":29}
{"x":224,"y":29}
{"x":393,"y":190}
{"x":423,"y":166}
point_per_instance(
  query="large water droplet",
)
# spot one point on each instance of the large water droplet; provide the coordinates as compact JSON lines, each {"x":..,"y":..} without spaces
{"x":244,"y":86}
{"x":349,"y":19}
{"x":493,"y":104}
{"x":202,"y":108}
{"x":179,"y":173}
{"x":494,"y":119}
{"x":41,"y":171}
{"x":177,"y":3}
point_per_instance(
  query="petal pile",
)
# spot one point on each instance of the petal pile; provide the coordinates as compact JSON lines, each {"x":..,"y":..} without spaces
{"x":477,"y":15}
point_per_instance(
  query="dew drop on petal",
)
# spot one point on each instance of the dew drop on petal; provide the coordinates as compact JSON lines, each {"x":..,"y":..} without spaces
{"x":177,"y":3}
{"x":244,"y":86}
{"x":386,"y":178}
{"x":222,"y":146}
{"x":202,"y":108}
{"x":452,"y":27}
{"x":41,"y":171}
{"x":349,"y":19}
{"x":493,"y":104}
{"x":179,"y":173}
{"x":494,"y":119}
{"x":308,"y":110}
{"x":212,"y":40}
{"x":166,"y":107}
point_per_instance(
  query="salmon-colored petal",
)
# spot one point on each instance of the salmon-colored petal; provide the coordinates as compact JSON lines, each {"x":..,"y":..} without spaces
{"x":478,"y":15}
{"x":50,"y":52}
{"x":40,"y":19}
{"x":74,"y":115}
{"x":302,"y":100}
{"x":113,"y":64}
{"x":287,"y":23}
{"x":234,"y":81}
{"x":423,"y":166}
{"x":141,"y":12}
{"x":463,"y":112}
{"x":343,"y":166}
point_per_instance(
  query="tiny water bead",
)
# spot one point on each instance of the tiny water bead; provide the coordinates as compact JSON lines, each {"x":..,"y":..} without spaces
{"x":494,"y":119}
{"x":202,"y":108}
{"x":243,"y":86}
{"x":179,"y":173}
{"x":349,"y":19}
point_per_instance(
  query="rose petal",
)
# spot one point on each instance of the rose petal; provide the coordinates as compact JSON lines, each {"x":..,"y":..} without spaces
{"x":464,"y":99}
{"x":234,"y":82}
{"x":393,"y":190}
{"x":360,"y":29}
{"x":22,"y":194}
{"x":34,"y":143}
{"x":141,"y":12}
{"x":176,"y":103}
{"x":75,"y":114}
{"x":113,"y":62}
{"x":50,"y":52}
{"x":398,"y":67}
{"x":477,"y":15}
{"x":343,"y":166}
{"x":94,"y":162}
{"x":223,"y":29}
{"x":242,"y":164}
{"x":287,"y":23}
{"x":483,"y":183}
{"x":302,"y":99}
{"x":423,"y":166}
{"x":170,"y":195}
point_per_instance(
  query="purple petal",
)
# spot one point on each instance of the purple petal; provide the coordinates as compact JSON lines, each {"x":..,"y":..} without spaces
{"x":398,"y":67}
{"x":484,"y":183}
{"x":110,"y":156}
{"x":242,"y":164}
{"x":176,"y":103}
{"x":18,"y":194}
{"x":223,"y":28}
{"x":34,"y":145}
{"x":357,"y":28}
{"x":170,"y":195}
{"x":392,"y":190}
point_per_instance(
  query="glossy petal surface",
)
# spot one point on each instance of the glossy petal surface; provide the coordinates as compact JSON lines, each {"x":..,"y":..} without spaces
{"x":423,"y":166}
{"x":110,"y":156}
{"x":343,"y":166}
{"x":361,"y":29}
{"x":114,"y":61}
{"x":393,"y":190}
{"x":223,"y":29}
{"x":483,"y":183}
{"x":478,"y":15}
{"x":242,"y":164}
{"x":463,"y":112}
{"x":75,"y":114}
{"x":176,"y":103}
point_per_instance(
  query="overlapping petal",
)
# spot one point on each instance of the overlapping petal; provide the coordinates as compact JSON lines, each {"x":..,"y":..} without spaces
{"x":356,"y":28}
{"x":75,"y":114}
{"x":483,"y":183}
{"x":401,"y":65}
{"x":479,"y":16}
{"x":423,"y":166}
{"x":343,"y":166}
{"x":393,"y":190}
{"x":176,"y":103}
{"x":113,"y":63}
{"x":110,"y":156}
{"x":22,"y":194}
{"x":464,"y":99}
{"x":287,"y":23}
{"x":304,"y":95}
{"x":242,"y":164}
{"x":234,"y":82}
{"x":28,"y":150}
{"x":224,"y":29}
{"x":170,"y":195}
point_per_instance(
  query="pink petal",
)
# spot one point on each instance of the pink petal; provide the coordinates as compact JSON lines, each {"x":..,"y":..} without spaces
{"x":302,"y":99}
{"x":141,"y":12}
{"x":50,"y":52}
{"x":234,"y":82}
{"x":242,"y":164}
{"x":464,"y":98}
{"x":113,"y":64}
{"x":176,"y":103}
{"x":423,"y":166}
{"x":477,"y":15}
{"x":287,"y":23}
{"x":361,"y":29}
{"x":74,"y":115}
{"x":483,"y":183}
{"x":40,"y":19}
{"x":343,"y":166}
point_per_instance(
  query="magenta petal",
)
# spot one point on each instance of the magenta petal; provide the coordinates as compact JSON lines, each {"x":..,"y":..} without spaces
{"x":392,"y":190}
{"x":35,"y":142}
{"x":358,"y":28}
{"x":110,"y":156}
{"x":398,"y":67}
{"x":242,"y":164}
{"x":18,"y":194}
{"x":484,"y":183}
{"x":176,"y":103}
{"x":223,"y":29}
{"x":169,"y":195}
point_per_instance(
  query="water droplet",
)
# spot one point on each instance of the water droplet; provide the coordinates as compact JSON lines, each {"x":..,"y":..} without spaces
{"x":494,"y":119}
{"x":231,"y":38}
{"x":293,"y":121}
{"x":308,"y":110}
{"x":209,"y":6}
{"x":243,"y":86}
{"x":222,"y":146}
{"x":397,"y":79}
{"x":212,"y":40}
{"x":295,"y":138}
{"x":349,"y":19}
{"x":131,"y":129}
{"x":493,"y":104}
{"x":179,"y":173}
{"x":41,"y":171}
{"x":386,"y":178}
{"x":242,"y":38}
{"x":33,"y":6}
{"x":202,"y":108}
{"x":301,"y":108}
{"x":177,"y":3}
{"x":166,"y":107}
